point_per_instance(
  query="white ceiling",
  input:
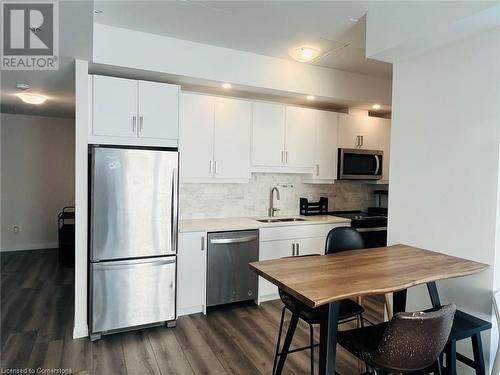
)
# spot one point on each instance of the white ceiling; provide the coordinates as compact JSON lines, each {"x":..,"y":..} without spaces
{"x":265,"y":27}
{"x":75,"y":41}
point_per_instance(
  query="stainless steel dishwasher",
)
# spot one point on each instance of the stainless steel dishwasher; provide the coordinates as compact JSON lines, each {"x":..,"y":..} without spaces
{"x":228,"y":278}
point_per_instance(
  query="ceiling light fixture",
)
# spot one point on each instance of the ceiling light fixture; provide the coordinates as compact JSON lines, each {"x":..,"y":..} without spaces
{"x":97,"y":11}
{"x":376,"y":106}
{"x":352,"y":19}
{"x":30,"y":98}
{"x":310,"y":97}
{"x":22,"y":86}
{"x":226,"y":86}
{"x":304,"y":53}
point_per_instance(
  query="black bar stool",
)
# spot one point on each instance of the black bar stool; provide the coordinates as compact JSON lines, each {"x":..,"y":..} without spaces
{"x":408,"y":343}
{"x":465,"y":326}
{"x":339,"y":239}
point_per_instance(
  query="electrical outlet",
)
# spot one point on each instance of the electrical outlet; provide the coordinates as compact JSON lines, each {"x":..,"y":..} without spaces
{"x":16,"y":229}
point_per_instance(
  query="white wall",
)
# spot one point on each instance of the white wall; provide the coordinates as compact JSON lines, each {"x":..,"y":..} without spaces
{"x":37,"y":177}
{"x":445,"y":164}
{"x":139,"y":50}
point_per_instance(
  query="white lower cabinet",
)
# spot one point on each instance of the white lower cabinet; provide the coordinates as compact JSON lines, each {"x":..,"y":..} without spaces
{"x":191,"y":271}
{"x":280,"y":242}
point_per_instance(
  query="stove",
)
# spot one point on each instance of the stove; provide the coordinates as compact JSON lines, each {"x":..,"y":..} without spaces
{"x":371,"y":224}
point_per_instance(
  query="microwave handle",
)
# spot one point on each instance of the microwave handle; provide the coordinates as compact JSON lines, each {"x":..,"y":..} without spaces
{"x":377,"y":160}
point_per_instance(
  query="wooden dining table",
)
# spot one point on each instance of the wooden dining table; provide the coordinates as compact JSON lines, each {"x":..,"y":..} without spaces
{"x":322,"y":281}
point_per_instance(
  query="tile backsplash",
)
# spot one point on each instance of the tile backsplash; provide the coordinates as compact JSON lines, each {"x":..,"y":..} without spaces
{"x":201,"y":201}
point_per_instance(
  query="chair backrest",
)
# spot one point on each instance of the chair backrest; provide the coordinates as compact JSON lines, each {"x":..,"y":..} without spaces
{"x":413,"y":341}
{"x":496,"y":305}
{"x":342,"y":239}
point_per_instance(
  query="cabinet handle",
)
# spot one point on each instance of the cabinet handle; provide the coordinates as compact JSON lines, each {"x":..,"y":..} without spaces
{"x":216,"y":169}
{"x":211,"y":167}
{"x":298,"y":249}
{"x":141,"y":120}
{"x":357,"y":141}
{"x":317,"y":169}
{"x":134,"y":120}
{"x":293,"y":249}
{"x":202,"y":243}
{"x":362,"y":140}
{"x":286,"y":157}
{"x":282,"y":157}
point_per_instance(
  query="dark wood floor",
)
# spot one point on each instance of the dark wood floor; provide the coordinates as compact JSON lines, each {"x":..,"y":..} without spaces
{"x":37,"y":325}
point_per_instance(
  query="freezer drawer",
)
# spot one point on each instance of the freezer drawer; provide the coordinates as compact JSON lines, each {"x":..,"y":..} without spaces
{"x":229,"y":278}
{"x":132,"y":292}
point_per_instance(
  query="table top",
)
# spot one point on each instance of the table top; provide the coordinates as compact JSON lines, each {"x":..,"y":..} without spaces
{"x":318,"y":280}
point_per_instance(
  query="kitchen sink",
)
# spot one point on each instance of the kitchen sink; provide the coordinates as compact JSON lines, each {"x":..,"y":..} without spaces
{"x":284,"y":220}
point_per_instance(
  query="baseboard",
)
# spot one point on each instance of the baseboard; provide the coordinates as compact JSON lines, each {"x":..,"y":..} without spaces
{"x":80,"y":331}
{"x":190,"y":310}
{"x":31,"y":246}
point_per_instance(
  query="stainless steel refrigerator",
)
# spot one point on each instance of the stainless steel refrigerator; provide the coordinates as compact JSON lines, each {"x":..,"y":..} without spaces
{"x":133,"y":238}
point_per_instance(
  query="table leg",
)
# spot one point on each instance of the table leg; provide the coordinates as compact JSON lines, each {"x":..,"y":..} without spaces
{"x":288,"y":340}
{"x":433,"y":293}
{"x":328,"y":338}
{"x":399,"y":301}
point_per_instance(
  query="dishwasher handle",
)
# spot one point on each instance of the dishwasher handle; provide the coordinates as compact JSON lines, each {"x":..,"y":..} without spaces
{"x":233,"y":240}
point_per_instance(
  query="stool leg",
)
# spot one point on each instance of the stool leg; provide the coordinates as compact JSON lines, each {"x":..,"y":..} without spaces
{"x":279,"y":340}
{"x":477,"y":348}
{"x":437,"y":366}
{"x":311,"y":334}
{"x":451,"y":358}
{"x":288,"y":340}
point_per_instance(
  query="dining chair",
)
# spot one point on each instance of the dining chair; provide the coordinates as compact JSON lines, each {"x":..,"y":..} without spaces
{"x":408,"y":343}
{"x":339,"y":239}
{"x":496,"y":305}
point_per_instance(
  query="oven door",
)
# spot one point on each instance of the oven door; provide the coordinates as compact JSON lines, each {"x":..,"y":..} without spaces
{"x":355,"y":164}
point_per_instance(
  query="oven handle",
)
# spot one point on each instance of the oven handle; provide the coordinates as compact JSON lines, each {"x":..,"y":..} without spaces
{"x":378,"y":165}
{"x":375,"y":229}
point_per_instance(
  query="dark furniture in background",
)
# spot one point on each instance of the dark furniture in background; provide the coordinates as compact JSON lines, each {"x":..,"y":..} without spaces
{"x":66,"y":236}
{"x":339,"y":239}
{"x":409,"y":342}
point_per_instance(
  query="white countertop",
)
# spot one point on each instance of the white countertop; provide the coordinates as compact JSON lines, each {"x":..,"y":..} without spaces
{"x":242,"y":223}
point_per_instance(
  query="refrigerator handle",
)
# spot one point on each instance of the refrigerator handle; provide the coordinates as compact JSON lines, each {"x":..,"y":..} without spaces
{"x":175,"y":197}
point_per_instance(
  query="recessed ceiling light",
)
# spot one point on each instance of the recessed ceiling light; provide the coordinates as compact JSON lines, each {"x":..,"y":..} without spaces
{"x":352,"y":19}
{"x":97,"y":11}
{"x":226,"y":86}
{"x":22,"y":86}
{"x":376,"y":106}
{"x":30,"y":98}
{"x":304,"y":53}
{"x":310,"y":97}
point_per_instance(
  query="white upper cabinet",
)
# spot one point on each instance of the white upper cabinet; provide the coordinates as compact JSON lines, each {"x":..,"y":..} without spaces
{"x":158,"y":110}
{"x":299,"y":138}
{"x":358,"y":132}
{"x":215,"y":139}
{"x":114,"y":107}
{"x":233,"y":120}
{"x":126,"y":110}
{"x":325,"y":147}
{"x":268,"y":134}
{"x":282,"y":138}
{"x":196,"y":144}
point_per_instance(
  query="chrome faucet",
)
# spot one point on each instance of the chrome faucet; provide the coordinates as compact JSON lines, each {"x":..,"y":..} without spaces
{"x":272,"y":210}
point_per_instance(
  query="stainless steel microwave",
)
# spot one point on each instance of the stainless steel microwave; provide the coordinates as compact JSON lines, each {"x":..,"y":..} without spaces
{"x":357,"y":164}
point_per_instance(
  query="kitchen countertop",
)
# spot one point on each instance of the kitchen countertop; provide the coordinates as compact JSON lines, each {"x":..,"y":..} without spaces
{"x":242,"y":223}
